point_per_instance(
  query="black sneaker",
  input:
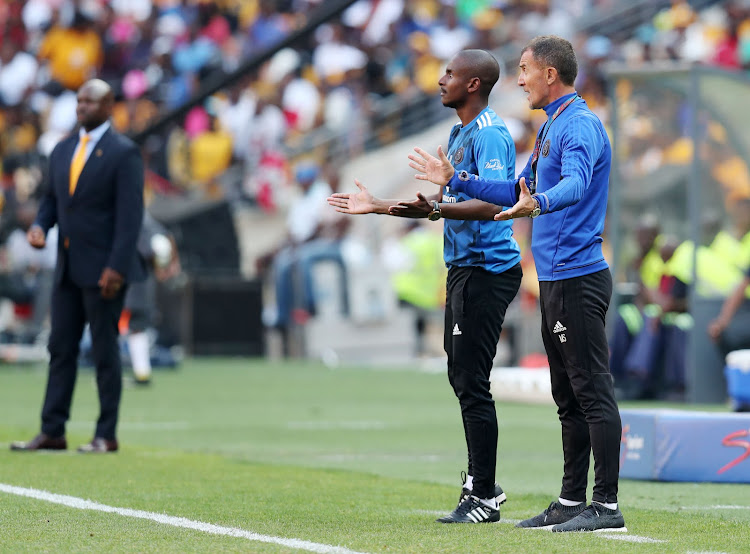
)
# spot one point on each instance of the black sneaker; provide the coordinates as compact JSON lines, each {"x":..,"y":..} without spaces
{"x":500,"y":496}
{"x":594,"y":518}
{"x":472,"y":510}
{"x":555,"y":514}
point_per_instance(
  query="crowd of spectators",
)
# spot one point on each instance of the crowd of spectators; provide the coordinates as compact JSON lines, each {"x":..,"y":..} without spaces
{"x":236,"y":145}
{"x":158,"y":53}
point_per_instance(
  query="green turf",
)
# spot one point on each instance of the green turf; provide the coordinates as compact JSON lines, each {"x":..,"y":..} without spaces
{"x":364,"y":459}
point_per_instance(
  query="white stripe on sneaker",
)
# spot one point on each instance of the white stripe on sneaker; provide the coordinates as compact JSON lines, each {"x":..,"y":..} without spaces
{"x":478,"y":514}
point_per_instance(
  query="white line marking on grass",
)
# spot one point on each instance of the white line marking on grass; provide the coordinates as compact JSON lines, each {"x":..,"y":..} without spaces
{"x":137,"y":425}
{"x":717,"y":507}
{"x":153,"y":426}
{"x":630,"y":538}
{"x":427,"y":458}
{"x":81,"y":504}
{"x":332,"y":425}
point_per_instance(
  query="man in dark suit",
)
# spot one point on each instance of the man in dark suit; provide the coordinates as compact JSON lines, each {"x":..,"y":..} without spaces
{"x":95,"y":196}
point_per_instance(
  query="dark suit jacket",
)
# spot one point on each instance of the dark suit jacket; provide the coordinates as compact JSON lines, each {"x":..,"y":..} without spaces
{"x":99,"y":224}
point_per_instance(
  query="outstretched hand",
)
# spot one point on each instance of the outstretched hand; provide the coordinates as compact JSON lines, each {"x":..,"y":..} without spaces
{"x":437,"y":170}
{"x":522,"y":208}
{"x":361,"y":202}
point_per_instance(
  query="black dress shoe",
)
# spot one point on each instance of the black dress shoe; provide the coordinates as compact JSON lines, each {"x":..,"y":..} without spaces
{"x":99,"y":446}
{"x":41,"y":442}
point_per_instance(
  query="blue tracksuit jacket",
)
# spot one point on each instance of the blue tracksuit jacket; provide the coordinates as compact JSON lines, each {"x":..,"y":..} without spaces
{"x":572,"y":187}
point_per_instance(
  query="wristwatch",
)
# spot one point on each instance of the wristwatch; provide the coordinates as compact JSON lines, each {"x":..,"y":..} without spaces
{"x":536,"y":211}
{"x":435,"y":214}
{"x":463,"y":175}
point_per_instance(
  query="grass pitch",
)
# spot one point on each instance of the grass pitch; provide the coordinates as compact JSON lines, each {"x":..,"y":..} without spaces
{"x":354,"y":458}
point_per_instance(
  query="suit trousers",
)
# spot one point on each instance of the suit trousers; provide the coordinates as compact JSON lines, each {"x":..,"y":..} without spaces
{"x":573,"y":316}
{"x":474,"y":313}
{"x":72,"y":308}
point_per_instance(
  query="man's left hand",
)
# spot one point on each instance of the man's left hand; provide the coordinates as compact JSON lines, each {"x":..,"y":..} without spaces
{"x":110,"y":283}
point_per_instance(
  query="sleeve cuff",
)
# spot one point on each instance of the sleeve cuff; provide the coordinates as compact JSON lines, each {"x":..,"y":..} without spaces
{"x":456,"y":184}
{"x":543,"y":202}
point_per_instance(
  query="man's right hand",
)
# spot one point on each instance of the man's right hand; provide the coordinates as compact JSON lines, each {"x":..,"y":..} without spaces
{"x":36,"y":236}
{"x":438,"y":170}
{"x":348,"y":203}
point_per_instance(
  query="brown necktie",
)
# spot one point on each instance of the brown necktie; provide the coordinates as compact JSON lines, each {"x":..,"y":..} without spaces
{"x":76,"y":166}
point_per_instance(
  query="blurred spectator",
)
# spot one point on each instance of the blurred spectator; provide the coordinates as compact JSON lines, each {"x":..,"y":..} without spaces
{"x":195,"y":54}
{"x":158,"y":250}
{"x":268,"y":28}
{"x":264,"y":178}
{"x":449,"y":36}
{"x":733,"y":246}
{"x":235,"y":112}
{"x":136,"y":110}
{"x":731,"y":328}
{"x":333,"y":57}
{"x":74,"y":54}
{"x":546,"y":15}
{"x":18,"y":71}
{"x":312,"y":237}
{"x":27,"y":277}
{"x":646,"y":271}
{"x":418,"y":272}
{"x":300,"y":101}
{"x":647,"y":352}
{"x":374,"y":18}
{"x":658,"y":353}
{"x":716,"y":276}
{"x":210,"y":148}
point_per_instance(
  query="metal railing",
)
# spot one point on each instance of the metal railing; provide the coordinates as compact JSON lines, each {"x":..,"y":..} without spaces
{"x":620,"y":22}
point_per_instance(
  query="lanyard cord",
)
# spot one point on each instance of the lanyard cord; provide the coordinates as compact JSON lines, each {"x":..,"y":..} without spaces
{"x":538,"y":145}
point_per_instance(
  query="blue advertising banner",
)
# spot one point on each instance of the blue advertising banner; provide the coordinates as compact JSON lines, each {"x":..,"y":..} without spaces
{"x":637,"y":445}
{"x":674,"y":445}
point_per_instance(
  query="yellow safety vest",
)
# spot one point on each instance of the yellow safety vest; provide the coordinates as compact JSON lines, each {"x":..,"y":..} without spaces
{"x":716,"y":276}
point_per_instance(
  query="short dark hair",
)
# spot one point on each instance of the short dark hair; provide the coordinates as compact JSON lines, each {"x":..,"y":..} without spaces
{"x":483,"y":65}
{"x":555,"y":52}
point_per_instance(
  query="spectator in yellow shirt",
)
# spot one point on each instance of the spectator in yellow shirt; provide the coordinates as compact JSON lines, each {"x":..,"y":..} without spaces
{"x":210,"y":153}
{"x":74,"y":54}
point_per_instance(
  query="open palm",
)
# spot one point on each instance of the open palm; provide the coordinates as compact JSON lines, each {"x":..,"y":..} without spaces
{"x":438,"y":170}
{"x":522,"y":208}
{"x":361,"y":202}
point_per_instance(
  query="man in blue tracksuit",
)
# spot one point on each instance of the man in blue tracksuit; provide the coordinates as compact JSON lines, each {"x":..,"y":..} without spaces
{"x":484,"y":269}
{"x":569,"y":175}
